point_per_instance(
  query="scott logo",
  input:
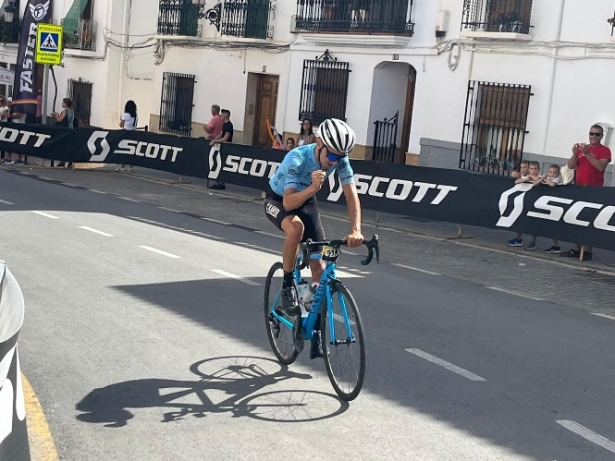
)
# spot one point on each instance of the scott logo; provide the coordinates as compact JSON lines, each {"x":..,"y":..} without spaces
{"x":549,"y":208}
{"x":129,"y":147}
{"x":241,"y":165}
{"x":392,"y":189}
{"x":22,"y":137}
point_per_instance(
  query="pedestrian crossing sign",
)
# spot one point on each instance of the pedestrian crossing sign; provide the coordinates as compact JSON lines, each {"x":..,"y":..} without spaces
{"x":49,"y":44}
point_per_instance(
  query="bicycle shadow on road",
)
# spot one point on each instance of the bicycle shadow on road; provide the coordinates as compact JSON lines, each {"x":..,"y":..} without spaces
{"x":240,"y":377}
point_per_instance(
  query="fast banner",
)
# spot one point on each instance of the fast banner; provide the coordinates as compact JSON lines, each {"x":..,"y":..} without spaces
{"x":26,"y":88}
{"x":572,"y":213}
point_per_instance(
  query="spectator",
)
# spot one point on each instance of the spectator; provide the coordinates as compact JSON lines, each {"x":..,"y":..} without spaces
{"x":590,"y":162}
{"x":4,"y":117}
{"x":552,"y":179}
{"x":214,"y":127}
{"x":306,"y":136}
{"x":523,"y":174}
{"x":17,"y":117}
{"x":226,"y":135}
{"x":128,"y":121}
{"x":290,"y":144}
{"x":65,"y":119}
{"x":39,"y":107}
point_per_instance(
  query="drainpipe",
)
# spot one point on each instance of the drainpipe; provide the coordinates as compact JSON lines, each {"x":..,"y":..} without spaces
{"x":124,"y":41}
{"x":553,"y":70}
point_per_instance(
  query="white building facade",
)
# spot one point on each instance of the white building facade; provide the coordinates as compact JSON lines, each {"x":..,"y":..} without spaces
{"x":473,"y":83}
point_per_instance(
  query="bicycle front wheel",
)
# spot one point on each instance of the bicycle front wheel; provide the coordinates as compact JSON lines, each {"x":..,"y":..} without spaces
{"x":279,"y":325}
{"x":343,"y":343}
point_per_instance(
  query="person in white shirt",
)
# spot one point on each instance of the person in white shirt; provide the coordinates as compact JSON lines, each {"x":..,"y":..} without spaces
{"x":128,"y":121}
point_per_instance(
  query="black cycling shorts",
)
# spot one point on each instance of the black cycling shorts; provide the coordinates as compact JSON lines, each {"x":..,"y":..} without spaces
{"x":307,"y":213}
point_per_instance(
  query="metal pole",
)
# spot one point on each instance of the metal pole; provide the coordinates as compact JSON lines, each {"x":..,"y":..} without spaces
{"x":45,"y":95}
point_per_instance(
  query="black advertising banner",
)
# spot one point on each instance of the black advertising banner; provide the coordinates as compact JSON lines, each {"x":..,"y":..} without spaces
{"x":26,"y":88}
{"x":572,"y":213}
{"x":174,"y":154}
{"x":246,"y":166}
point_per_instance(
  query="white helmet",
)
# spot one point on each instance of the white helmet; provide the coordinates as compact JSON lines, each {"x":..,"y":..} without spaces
{"x":337,"y":135}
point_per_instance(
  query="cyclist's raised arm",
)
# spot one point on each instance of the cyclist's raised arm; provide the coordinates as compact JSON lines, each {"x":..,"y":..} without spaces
{"x":294,"y":199}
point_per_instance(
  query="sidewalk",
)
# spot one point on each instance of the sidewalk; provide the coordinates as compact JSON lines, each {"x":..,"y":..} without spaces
{"x":492,"y":239}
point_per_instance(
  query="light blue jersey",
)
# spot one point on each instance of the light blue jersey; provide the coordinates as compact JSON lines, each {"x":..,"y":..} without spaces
{"x":296,"y":170}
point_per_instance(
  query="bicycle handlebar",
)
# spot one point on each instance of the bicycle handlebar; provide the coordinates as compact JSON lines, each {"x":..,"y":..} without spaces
{"x":372,"y":247}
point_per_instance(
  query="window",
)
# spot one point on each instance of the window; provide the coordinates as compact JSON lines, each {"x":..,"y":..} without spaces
{"x":80,"y":92}
{"x":176,"y":103}
{"x":497,"y":15}
{"x":247,"y":18}
{"x":179,"y":17}
{"x":494,"y":127}
{"x":324,"y":89}
{"x":79,"y":27}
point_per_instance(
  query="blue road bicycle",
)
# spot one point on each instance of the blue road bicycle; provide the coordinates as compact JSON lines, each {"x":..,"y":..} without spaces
{"x":333,"y":314}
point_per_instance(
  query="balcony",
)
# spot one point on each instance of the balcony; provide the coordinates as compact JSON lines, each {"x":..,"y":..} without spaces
{"x":248,"y":18}
{"x":361,"y":17}
{"x":497,"y":19}
{"x":180,"y":18}
{"x":79,"y":34}
{"x":9,"y":31}
{"x":611,"y":21}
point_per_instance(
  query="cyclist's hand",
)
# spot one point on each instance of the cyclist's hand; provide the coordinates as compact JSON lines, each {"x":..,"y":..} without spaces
{"x":318,"y":178}
{"x":355,"y":239}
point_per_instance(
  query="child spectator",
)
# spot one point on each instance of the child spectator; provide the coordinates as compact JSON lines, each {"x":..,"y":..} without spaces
{"x":535,"y":178}
{"x":290,"y":144}
{"x":552,"y":179}
{"x":523,"y":174}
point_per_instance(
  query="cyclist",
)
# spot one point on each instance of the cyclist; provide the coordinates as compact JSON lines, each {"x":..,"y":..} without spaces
{"x":291,"y":200}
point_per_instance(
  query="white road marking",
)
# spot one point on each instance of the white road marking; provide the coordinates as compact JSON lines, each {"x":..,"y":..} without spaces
{"x":168,"y":209}
{"x":95,"y":231}
{"x":278,"y":236}
{"x":45,"y":178}
{"x":390,"y":229}
{"x":70,"y":184}
{"x":447,"y":365}
{"x":417,"y":269}
{"x":351,"y":253}
{"x":128,"y":199}
{"x":587,"y":434}
{"x":515,"y":293}
{"x":46,"y":215}
{"x":606,"y":316}
{"x":339,"y":318}
{"x":236,"y":277}
{"x":6,"y":202}
{"x":97,"y":191}
{"x":216,"y":221}
{"x":160,"y":252}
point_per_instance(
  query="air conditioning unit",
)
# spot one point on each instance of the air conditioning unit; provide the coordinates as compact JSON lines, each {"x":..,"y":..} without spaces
{"x":293,"y":23}
{"x":442,"y":20}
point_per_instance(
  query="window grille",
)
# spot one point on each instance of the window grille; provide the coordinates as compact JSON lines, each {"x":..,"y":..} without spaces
{"x":176,"y":103}
{"x":494,"y":127}
{"x":324,"y":89}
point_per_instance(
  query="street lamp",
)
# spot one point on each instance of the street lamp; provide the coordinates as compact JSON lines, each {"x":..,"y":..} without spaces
{"x":9,"y":11}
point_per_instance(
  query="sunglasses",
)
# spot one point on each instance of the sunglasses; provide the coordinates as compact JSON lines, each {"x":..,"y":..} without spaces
{"x":595,"y":134}
{"x":334,"y":157}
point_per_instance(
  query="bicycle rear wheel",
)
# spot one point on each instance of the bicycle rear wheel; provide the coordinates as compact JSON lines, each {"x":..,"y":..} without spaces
{"x":343,"y":343}
{"x":279,"y":325}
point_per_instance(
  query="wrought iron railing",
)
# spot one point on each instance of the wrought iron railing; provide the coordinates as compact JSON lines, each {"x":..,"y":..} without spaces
{"x":494,"y":127}
{"x":385,"y":139}
{"x":497,"y":15}
{"x":176,"y":103}
{"x":180,"y":17}
{"x":248,"y":18}
{"x":611,"y":21}
{"x":80,"y":91}
{"x":356,"y":16}
{"x":81,"y":35}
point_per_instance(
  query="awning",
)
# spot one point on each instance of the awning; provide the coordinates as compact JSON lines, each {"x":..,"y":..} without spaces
{"x":71,"y":22}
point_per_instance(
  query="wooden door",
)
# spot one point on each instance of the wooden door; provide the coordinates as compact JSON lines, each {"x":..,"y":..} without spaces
{"x":266,"y":103}
{"x":407,"y":122}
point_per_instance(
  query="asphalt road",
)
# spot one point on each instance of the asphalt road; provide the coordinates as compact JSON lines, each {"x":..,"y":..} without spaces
{"x":144,"y":340}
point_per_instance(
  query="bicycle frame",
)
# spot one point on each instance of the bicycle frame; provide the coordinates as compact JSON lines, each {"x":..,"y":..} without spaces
{"x":324,"y":289}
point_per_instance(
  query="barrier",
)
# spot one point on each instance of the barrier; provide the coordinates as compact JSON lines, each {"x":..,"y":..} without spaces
{"x":584,"y":215}
{"x":13,"y":429}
